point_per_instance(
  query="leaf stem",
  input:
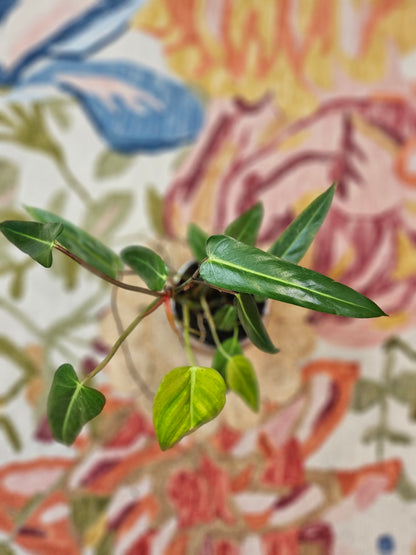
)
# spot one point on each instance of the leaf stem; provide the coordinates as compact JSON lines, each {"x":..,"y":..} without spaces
{"x":212,"y":327}
{"x":148,"y":310}
{"x":105,"y":277}
{"x":186,"y":336}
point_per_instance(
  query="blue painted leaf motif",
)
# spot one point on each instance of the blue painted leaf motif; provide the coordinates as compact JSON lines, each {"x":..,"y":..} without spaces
{"x":133,"y":108}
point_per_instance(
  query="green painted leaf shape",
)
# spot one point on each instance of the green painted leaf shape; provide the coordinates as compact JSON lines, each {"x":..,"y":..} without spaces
{"x":252,"y":323}
{"x":242,"y":268}
{"x":33,"y":238}
{"x":403,"y":388}
{"x":231,"y":347}
{"x":188,"y":397}
{"x":246,"y":227}
{"x":225,"y":318}
{"x":241,"y":379}
{"x":196,"y":238}
{"x":81,"y":243}
{"x":293,"y":243}
{"x":71,"y":405}
{"x":367,"y":394}
{"x":147,"y":264}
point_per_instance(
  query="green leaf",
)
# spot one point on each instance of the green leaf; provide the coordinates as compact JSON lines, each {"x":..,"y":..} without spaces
{"x":196,"y":238}
{"x":225,"y":318}
{"x":367,"y":393}
{"x":35,"y":239}
{"x":147,"y":264}
{"x":252,"y":323}
{"x":232,"y":347}
{"x":403,"y":388}
{"x":245,"y":269}
{"x":71,"y":405}
{"x":298,"y":236}
{"x":246,"y":227}
{"x":82,"y":244}
{"x":241,"y":378}
{"x":188,"y":397}
{"x":111,"y":164}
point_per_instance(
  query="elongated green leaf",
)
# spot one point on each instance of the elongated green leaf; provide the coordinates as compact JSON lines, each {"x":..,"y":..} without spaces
{"x":188,"y":397}
{"x":71,"y":405}
{"x":231,"y":347}
{"x":81,"y":243}
{"x":252,"y":323}
{"x":246,"y":227}
{"x":367,"y":394}
{"x":225,"y":318}
{"x":298,"y":236}
{"x":235,"y":266}
{"x":241,"y":378}
{"x":33,"y":238}
{"x":147,"y":264}
{"x":196,"y":238}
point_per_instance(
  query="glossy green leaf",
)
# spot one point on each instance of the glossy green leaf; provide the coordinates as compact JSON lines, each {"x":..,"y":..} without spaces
{"x":188,"y":397}
{"x":231,"y":347}
{"x":71,"y":405}
{"x":82,"y":244}
{"x":196,"y":238}
{"x":246,"y":227}
{"x":147,"y":264}
{"x":298,"y":236}
{"x":33,"y":238}
{"x":225,"y":318}
{"x":241,"y":379}
{"x":252,"y":323}
{"x":235,"y":266}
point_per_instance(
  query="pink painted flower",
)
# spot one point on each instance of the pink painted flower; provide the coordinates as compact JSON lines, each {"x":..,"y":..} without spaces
{"x":251,"y":152}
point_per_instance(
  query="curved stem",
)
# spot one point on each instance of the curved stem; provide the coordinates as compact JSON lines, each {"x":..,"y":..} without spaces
{"x":212,"y":327}
{"x":105,"y":277}
{"x":148,"y":310}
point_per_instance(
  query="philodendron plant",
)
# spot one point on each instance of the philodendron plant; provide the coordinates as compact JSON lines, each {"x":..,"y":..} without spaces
{"x":218,"y":300}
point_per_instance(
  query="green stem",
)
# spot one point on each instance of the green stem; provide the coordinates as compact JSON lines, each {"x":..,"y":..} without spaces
{"x":211,"y":323}
{"x":148,"y":310}
{"x":103,"y":276}
{"x":186,"y":336}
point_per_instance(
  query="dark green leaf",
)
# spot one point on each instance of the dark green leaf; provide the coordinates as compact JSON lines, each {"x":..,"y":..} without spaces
{"x":252,"y":323}
{"x":35,"y":239}
{"x":241,"y":378}
{"x":232,"y":347}
{"x":239,"y":267}
{"x":82,"y":244}
{"x":225,"y":318}
{"x":147,"y":264}
{"x":112,"y":164}
{"x":367,"y":393}
{"x":403,"y":388}
{"x":188,"y":397}
{"x":71,"y":405}
{"x":298,"y":236}
{"x":196,"y":238}
{"x":246,"y":227}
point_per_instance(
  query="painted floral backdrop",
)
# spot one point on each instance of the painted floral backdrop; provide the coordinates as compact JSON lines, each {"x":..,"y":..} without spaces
{"x":133,"y":118}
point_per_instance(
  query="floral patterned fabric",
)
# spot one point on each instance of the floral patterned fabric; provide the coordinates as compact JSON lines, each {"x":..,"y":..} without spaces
{"x":133,"y":118}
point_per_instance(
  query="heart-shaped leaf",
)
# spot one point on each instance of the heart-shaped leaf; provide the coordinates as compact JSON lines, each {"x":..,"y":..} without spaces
{"x":241,"y":379}
{"x":252,"y":323}
{"x":246,"y":227}
{"x":225,"y":318}
{"x":239,"y":267}
{"x":188,"y":397}
{"x":231,"y":347}
{"x":71,"y":405}
{"x":196,"y":238}
{"x":81,"y":243}
{"x":298,"y":236}
{"x":33,"y":238}
{"x":147,"y":264}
